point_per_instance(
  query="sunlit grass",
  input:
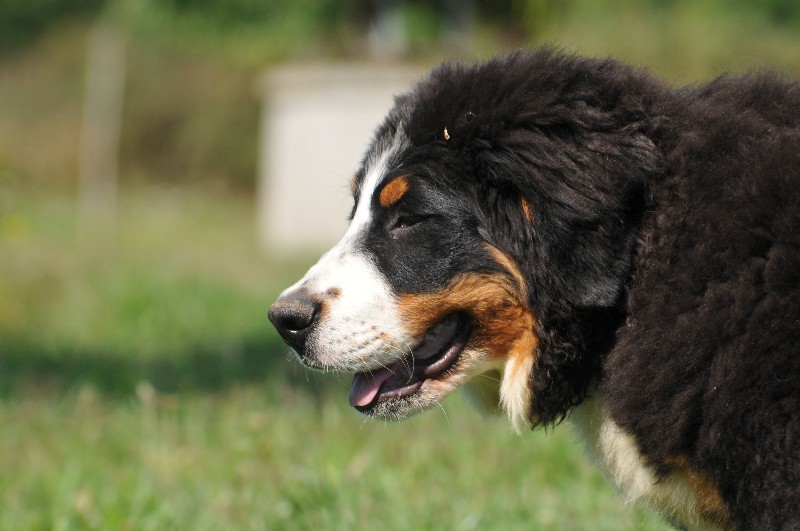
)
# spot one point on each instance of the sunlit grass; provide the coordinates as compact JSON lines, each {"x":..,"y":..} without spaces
{"x":140,"y":384}
{"x":274,"y":458}
{"x":143,"y":389}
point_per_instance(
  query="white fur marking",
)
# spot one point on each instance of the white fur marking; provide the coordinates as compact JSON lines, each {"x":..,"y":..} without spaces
{"x":361,"y":329}
{"x":515,"y":393}
{"x":618,"y":457}
{"x":377,"y":171}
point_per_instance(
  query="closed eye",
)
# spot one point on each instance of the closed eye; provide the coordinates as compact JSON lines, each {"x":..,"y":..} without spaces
{"x":405,"y":223}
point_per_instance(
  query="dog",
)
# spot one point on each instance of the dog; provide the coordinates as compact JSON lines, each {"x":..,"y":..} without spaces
{"x":568,"y":237}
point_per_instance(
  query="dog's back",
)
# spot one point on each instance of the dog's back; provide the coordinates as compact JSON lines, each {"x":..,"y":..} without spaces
{"x":706,"y":371}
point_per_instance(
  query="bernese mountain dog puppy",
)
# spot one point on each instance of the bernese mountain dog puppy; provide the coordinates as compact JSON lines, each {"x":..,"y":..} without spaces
{"x":572,"y":238}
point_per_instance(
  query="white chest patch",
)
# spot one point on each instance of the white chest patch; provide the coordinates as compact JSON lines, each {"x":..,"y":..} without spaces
{"x":617,"y":455}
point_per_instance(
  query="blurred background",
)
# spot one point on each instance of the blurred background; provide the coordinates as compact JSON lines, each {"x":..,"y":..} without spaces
{"x":151,"y":155}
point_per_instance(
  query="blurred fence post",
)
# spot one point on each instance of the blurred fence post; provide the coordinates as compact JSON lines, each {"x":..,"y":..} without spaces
{"x":102,"y":122}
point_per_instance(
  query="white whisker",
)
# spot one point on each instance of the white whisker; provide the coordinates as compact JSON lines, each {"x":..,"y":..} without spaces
{"x":446,"y":418}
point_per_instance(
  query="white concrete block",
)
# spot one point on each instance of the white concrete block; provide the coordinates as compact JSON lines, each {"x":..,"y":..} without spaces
{"x":316,"y":124}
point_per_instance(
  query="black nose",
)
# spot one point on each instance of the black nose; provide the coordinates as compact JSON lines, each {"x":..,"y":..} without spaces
{"x":293,"y":317}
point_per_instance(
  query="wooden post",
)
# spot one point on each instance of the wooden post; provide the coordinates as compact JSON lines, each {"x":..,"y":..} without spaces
{"x":102,"y":121}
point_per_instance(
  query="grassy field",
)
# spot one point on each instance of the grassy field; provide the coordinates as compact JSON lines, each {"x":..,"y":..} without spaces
{"x":141,"y":386}
{"x":143,"y":389}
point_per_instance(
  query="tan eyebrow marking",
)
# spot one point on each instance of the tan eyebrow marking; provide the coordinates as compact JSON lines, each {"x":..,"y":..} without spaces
{"x":526,"y":209}
{"x":393,"y":191}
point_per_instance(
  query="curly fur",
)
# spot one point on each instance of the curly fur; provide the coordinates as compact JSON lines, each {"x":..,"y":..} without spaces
{"x":663,"y":260}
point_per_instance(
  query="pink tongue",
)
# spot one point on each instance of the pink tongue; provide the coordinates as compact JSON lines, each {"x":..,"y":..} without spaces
{"x":366,"y":385}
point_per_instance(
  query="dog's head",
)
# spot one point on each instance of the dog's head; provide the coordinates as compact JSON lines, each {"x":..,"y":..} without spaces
{"x":482,"y":203}
{"x":414,"y":299}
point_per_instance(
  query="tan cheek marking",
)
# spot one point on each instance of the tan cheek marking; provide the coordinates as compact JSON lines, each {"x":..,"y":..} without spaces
{"x":526,"y":209}
{"x":352,"y":187}
{"x":508,"y":263}
{"x":393,"y":191}
{"x":503,"y":324}
{"x":708,"y":501}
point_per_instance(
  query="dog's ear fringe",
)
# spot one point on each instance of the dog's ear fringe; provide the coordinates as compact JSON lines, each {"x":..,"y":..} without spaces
{"x":579,"y":197}
{"x":576,"y":253}
{"x":586,"y":214}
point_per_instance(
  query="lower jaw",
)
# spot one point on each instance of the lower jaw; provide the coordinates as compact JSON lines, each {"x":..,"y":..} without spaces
{"x":397,"y":408}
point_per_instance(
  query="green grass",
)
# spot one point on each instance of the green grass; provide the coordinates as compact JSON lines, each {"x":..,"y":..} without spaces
{"x":140,"y":384}
{"x":142,"y":388}
{"x":274,"y":457}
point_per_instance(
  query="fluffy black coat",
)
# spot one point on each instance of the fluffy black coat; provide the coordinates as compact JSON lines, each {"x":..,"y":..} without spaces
{"x":663,"y":254}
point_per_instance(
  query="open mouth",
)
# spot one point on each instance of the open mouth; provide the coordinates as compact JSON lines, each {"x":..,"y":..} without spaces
{"x":437,"y":353}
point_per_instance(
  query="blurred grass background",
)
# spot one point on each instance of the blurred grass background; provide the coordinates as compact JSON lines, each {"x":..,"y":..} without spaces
{"x":140,"y":384}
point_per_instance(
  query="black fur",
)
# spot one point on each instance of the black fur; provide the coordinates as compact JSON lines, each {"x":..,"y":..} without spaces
{"x":662,"y":261}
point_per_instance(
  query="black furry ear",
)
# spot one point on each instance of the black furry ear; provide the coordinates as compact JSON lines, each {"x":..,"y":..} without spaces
{"x":566,"y":135}
{"x":582,"y":193}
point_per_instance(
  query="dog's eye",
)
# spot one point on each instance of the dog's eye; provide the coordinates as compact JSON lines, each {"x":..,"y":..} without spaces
{"x":404,"y":223}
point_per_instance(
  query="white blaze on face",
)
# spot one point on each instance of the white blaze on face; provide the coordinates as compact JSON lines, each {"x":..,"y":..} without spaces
{"x":359,"y":327}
